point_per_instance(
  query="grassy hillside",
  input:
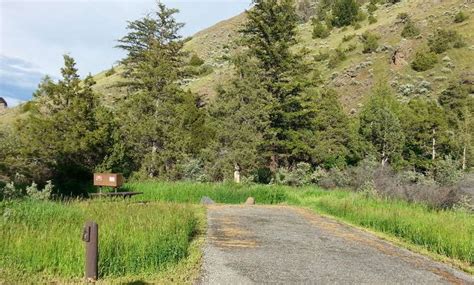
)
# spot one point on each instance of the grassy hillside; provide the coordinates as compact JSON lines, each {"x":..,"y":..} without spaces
{"x":354,"y":77}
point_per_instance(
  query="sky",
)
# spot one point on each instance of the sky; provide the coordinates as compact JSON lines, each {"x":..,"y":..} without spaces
{"x":34,"y":34}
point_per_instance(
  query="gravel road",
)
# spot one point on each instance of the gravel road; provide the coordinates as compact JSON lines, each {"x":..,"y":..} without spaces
{"x":285,"y":245}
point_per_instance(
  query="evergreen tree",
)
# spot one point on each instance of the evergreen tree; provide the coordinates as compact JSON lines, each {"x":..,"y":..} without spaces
{"x":159,"y":120}
{"x":379,"y":125}
{"x":70,"y":130}
{"x":241,"y":116}
{"x":270,"y":34}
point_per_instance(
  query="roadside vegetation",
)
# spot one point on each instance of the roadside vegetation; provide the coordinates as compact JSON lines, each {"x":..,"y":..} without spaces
{"x":41,"y":240}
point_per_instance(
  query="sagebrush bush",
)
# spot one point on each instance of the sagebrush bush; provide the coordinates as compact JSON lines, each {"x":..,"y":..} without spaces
{"x":337,"y":57}
{"x":300,"y":175}
{"x":447,"y":172}
{"x":424,"y":60}
{"x":10,"y":192}
{"x":372,"y":19}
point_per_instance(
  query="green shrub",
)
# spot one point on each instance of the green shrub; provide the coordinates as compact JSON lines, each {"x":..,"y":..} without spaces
{"x":393,"y":1}
{"x":447,"y":172}
{"x":357,"y":26}
{"x":372,"y":19}
{"x":370,"y":42}
{"x":298,"y":176}
{"x":196,"y":60}
{"x":344,"y":12}
{"x":442,"y":40}
{"x":320,"y":30}
{"x":350,"y":48}
{"x":460,"y":17}
{"x":337,"y":57}
{"x":410,"y":30}
{"x":372,"y":7}
{"x":361,"y":16}
{"x":424,"y":60}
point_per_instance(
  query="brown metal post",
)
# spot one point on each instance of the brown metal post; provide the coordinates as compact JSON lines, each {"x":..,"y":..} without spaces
{"x":91,"y":238}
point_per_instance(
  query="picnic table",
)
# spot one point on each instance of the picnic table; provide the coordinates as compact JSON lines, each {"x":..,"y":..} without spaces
{"x":115,"y":194}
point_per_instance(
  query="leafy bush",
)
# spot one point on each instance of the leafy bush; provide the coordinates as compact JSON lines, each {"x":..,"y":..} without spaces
{"x":10,"y":192}
{"x":372,"y":7}
{"x":370,"y":42}
{"x":361,"y":16}
{"x":196,"y":60}
{"x":44,"y":195}
{"x":410,"y":30}
{"x":337,"y":57}
{"x":320,"y":30}
{"x":442,"y":40}
{"x":357,"y":26}
{"x":298,"y":176}
{"x":460,"y":17}
{"x":424,"y":60}
{"x":446,"y":172}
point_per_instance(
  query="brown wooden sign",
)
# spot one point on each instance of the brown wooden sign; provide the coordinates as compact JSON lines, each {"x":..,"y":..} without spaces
{"x":108,"y":179}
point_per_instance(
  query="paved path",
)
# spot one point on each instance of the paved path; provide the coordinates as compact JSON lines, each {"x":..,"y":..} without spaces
{"x":285,"y":245}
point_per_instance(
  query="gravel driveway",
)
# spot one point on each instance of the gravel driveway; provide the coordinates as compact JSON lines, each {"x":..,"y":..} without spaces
{"x":285,"y":245}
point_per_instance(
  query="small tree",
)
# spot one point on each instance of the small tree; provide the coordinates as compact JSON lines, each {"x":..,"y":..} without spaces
{"x":410,"y":30}
{"x":379,"y":125}
{"x":460,"y":17}
{"x":344,"y":12}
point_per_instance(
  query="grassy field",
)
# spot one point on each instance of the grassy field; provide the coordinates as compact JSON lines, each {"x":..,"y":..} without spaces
{"x":42,"y":240}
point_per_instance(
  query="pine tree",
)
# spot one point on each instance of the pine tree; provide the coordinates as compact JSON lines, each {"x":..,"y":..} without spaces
{"x":269,"y":34}
{"x":344,"y":12}
{"x":70,"y":129}
{"x":158,"y":118}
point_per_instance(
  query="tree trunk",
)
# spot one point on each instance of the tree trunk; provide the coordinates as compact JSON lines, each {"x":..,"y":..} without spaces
{"x":151,"y":171}
{"x":433,"y":147}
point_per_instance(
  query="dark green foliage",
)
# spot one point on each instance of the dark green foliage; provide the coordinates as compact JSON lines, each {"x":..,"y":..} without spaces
{"x":160,"y":124}
{"x":393,"y":1}
{"x":70,"y":131}
{"x":424,"y":60}
{"x":370,"y":42}
{"x":320,"y":30}
{"x":196,"y":60}
{"x":427,"y":138}
{"x":459,"y":107}
{"x":372,"y":7}
{"x":460,"y":17}
{"x":344,"y":12}
{"x":442,"y":40}
{"x":410,"y":30}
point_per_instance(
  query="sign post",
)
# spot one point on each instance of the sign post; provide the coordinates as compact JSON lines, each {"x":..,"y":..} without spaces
{"x":91,"y":238}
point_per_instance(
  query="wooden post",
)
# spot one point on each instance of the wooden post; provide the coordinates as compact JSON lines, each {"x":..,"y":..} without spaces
{"x":91,"y":237}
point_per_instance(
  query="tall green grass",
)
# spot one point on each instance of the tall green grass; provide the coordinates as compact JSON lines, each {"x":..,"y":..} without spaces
{"x":445,"y":232}
{"x":226,"y":193}
{"x":134,"y":239}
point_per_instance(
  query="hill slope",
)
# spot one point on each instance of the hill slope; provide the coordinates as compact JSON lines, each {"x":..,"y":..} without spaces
{"x":356,"y":75}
